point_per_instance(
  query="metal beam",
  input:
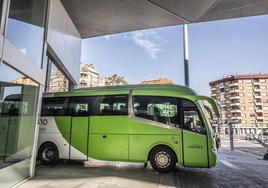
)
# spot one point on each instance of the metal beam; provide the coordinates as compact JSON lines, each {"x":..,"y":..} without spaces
{"x":186,"y":55}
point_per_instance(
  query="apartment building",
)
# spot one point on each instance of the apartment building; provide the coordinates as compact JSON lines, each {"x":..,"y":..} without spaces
{"x":89,"y":76}
{"x":158,"y":81}
{"x":243,"y":99}
{"x":115,"y":80}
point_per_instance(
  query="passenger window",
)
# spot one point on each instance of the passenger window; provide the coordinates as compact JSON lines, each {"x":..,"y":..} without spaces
{"x":110,"y":105}
{"x":79,"y":106}
{"x":54,"y":106}
{"x":159,"y":109}
{"x":192,"y":122}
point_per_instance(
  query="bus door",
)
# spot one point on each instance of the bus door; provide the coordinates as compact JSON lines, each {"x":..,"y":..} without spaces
{"x":194,"y":137}
{"x":79,"y":128}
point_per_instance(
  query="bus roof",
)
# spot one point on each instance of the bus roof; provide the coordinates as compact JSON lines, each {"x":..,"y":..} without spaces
{"x":139,"y":89}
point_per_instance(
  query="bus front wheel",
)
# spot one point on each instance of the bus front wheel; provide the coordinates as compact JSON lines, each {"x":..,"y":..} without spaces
{"x":162,"y":159}
{"x":48,"y":153}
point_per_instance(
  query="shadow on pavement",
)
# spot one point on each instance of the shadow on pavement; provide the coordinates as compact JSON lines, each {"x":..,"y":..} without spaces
{"x":104,"y":171}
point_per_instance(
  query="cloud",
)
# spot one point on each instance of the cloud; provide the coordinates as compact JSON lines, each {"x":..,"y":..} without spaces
{"x":149,"y":41}
{"x":107,"y":37}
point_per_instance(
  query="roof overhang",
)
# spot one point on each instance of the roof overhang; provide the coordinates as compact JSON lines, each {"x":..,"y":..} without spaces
{"x":102,"y":17}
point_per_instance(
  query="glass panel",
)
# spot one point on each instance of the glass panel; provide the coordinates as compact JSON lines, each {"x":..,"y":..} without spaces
{"x":18,"y":105}
{"x":187,"y":104}
{"x":192,"y":122}
{"x":160,"y":109}
{"x":109,"y":105}
{"x":1,"y":7}
{"x":57,"y":82}
{"x":54,"y":106}
{"x":79,"y":106}
{"x":27,"y":17}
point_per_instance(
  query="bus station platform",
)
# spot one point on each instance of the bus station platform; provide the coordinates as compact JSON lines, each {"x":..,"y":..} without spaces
{"x":234,"y":169}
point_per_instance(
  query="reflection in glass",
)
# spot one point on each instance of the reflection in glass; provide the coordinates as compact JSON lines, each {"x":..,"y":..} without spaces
{"x":18,"y":103}
{"x":1,"y":6}
{"x":57,"y":82}
{"x":25,"y":27}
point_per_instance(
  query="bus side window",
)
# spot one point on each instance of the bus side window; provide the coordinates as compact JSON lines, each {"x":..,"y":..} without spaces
{"x":79,"y":106}
{"x":54,"y":106}
{"x":110,"y":105}
{"x":160,"y":109}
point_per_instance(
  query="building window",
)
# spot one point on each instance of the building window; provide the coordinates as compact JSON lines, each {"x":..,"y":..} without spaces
{"x":27,"y":17}
{"x":221,"y":90}
{"x":243,"y":115}
{"x":249,"y":94}
{"x":241,"y":94}
{"x":241,"y":87}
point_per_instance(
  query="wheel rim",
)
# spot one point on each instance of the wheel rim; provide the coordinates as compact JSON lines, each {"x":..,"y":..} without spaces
{"x":48,"y":154}
{"x":162,"y":159}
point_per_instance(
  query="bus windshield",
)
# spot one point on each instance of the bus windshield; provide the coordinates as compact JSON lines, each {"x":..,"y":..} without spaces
{"x":209,"y":114}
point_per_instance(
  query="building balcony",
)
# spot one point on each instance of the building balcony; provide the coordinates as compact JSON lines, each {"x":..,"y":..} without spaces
{"x":236,"y":118}
{"x":257,"y":96}
{"x":235,"y":104}
{"x":83,"y":80}
{"x":259,"y":117}
{"x":233,"y":84}
{"x":213,"y":89}
{"x":234,"y":91}
{"x":257,"y":89}
{"x":256,"y":83}
{"x":236,"y":111}
{"x":259,"y":110}
{"x":234,"y":97}
{"x":213,"y":94}
{"x":258,"y":104}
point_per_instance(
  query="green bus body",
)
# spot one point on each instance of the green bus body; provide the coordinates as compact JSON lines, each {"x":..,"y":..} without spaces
{"x":130,"y":138}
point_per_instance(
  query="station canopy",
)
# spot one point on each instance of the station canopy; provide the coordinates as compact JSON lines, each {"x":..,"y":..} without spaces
{"x":102,"y":17}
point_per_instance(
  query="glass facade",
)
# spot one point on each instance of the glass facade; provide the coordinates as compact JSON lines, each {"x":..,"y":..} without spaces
{"x":57,"y":80}
{"x":18,"y":108}
{"x":1,"y":5}
{"x":25,"y":28}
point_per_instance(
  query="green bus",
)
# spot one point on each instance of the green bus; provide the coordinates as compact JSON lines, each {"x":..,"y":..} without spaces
{"x":163,"y":124}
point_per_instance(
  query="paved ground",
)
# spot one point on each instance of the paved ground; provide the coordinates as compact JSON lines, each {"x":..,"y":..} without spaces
{"x":252,"y":147}
{"x":234,"y":169}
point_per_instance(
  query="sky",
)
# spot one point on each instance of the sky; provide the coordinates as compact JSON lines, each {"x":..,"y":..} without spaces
{"x":234,"y":46}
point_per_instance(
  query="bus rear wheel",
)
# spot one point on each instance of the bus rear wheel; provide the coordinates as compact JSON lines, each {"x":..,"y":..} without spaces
{"x":162,"y":159}
{"x":48,"y":154}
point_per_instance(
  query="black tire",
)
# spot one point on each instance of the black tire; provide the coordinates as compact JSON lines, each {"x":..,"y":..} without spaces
{"x":163,"y":159}
{"x":48,"y":154}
